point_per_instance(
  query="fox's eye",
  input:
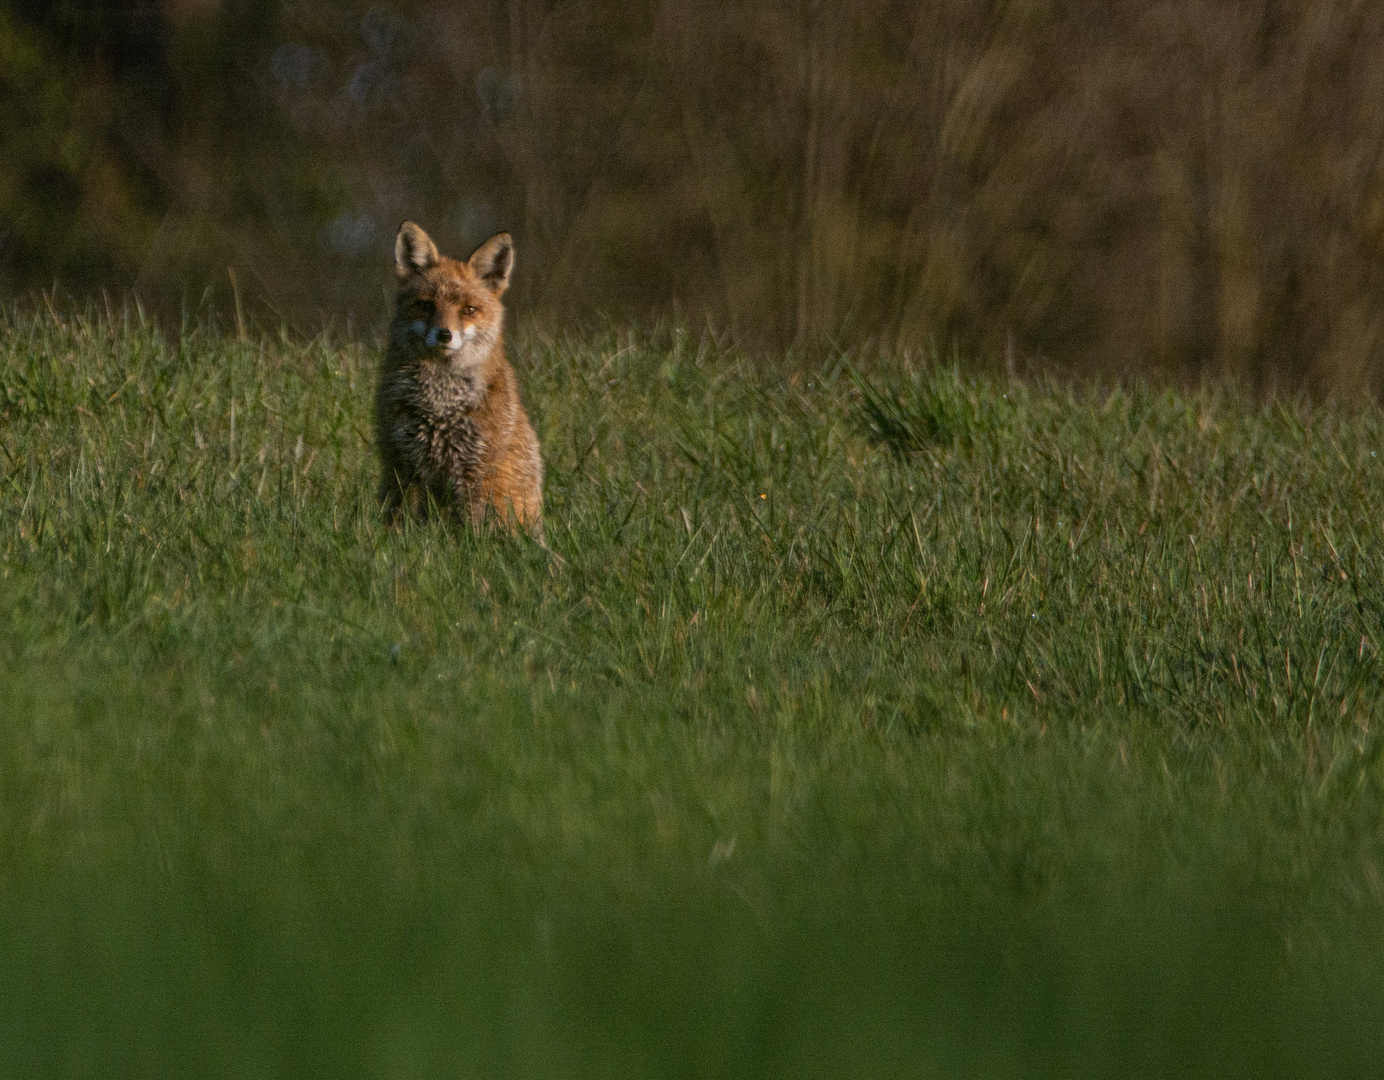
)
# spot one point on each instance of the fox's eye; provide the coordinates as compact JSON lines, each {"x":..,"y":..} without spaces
{"x":469,"y":309}
{"x":422,"y":309}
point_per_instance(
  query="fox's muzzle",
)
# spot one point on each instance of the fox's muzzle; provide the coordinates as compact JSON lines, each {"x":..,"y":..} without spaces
{"x":439,"y":336}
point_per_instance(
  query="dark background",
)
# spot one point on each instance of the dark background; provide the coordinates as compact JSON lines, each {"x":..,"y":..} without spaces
{"x":1190,"y":189}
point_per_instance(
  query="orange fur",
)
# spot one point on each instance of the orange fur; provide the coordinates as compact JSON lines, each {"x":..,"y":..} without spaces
{"x":451,"y":428}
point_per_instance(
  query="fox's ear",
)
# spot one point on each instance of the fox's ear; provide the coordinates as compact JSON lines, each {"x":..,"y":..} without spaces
{"x":493,"y":262}
{"x":414,"y":251}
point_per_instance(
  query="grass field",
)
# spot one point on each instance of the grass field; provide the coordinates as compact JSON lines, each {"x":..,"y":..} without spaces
{"x":908,"y":724}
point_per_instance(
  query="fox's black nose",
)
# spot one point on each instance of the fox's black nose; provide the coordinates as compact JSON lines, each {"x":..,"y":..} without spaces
{"x":443,"y":336}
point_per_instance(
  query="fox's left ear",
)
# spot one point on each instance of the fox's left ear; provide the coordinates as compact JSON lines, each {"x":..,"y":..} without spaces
{"x":414,"y":251}
{"x":493,"y":262}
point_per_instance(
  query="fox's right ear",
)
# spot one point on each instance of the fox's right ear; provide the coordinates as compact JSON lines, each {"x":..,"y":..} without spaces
{"x":493,"y":262}
{"x":414,"y":251}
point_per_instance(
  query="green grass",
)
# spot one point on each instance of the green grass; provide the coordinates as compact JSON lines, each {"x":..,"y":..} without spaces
{"x":901,"y":725}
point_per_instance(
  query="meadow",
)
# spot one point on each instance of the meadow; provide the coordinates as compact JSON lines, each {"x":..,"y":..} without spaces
{"x":878,"y":717}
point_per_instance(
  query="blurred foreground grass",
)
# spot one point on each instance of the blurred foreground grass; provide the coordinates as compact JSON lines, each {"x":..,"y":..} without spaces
{"x":893,"y":726}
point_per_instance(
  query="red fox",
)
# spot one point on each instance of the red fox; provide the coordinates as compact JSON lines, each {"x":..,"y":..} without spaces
{"x":451,"y":429}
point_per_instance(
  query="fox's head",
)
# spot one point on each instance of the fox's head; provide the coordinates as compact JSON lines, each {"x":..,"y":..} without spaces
{"x":445,"y":305}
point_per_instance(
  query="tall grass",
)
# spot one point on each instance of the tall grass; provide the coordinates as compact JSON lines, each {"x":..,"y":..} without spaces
{"x":1173,"y":187}
{"x":884,"y":725}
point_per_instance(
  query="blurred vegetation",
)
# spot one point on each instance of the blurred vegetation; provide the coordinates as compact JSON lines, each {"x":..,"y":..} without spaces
{"x":1173,"y":187}
{"x":909,"y":724}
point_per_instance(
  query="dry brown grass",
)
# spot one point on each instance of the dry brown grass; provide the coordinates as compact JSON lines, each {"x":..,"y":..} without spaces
{"x":1182,"y":187}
